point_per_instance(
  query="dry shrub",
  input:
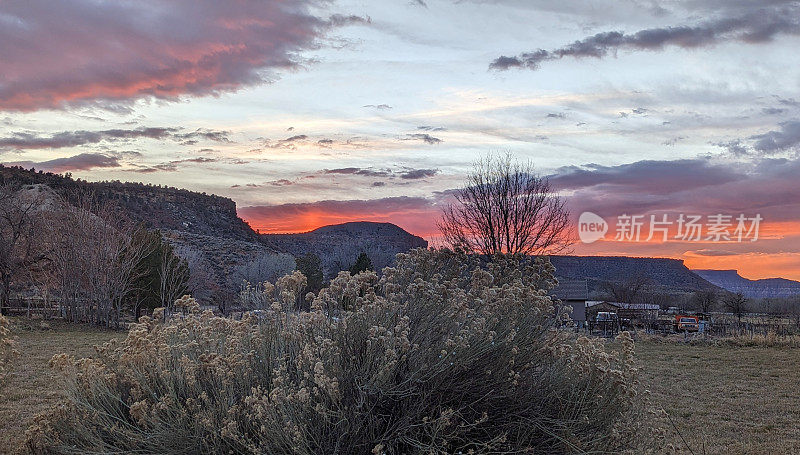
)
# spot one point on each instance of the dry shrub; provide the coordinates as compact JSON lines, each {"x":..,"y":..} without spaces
{"x":442,"y":354}
{"x":7,"y":351}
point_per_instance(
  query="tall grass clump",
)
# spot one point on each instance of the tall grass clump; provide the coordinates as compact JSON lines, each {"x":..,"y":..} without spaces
{"x":442,"y":354}
{"x":7,"y":351}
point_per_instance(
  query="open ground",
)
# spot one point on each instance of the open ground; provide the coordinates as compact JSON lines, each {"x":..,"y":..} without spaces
{"x":722,"y":399}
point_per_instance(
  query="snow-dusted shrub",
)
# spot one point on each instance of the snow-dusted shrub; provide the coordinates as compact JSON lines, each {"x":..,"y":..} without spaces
{"x":442,"y":354}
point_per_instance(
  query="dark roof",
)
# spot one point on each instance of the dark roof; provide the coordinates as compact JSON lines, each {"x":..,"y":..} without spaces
{"x":568,"y":289}
{"x":624,"y":306}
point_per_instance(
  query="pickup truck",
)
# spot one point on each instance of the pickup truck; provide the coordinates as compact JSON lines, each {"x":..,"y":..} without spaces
{"x":685,"y":323}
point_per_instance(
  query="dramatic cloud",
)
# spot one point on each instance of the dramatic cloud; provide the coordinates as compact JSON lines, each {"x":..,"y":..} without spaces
{"x":661,"y":177}
{"x":784,"y":139}
{"x":80,"y":51}
{"x":787,"y":138}
{"x":27,"y":141}
{"x":30,"y":141}
{"x":764,"y":185}
{"x":758,"y":26}
{"x":82,"y":162}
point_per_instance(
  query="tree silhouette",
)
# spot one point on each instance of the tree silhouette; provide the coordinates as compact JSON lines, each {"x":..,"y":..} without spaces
{"x":362,"y":264}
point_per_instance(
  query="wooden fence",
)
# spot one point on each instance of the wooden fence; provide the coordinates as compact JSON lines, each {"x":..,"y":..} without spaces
{"x":42,"y":307}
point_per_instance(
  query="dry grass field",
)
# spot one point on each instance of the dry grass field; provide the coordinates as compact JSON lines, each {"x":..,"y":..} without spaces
{"x":724,"y":400}
{"x":33,"y":387}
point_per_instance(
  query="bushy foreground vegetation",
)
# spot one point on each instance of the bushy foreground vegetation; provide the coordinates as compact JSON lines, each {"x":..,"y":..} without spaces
{"x":442,"y":354}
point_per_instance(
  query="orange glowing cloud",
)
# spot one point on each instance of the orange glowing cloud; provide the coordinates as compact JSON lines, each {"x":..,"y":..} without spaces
{"x":416,"y":215}
{"x":122,"y":51}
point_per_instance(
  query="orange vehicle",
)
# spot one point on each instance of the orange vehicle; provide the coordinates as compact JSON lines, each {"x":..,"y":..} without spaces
{"x":687,"y":323}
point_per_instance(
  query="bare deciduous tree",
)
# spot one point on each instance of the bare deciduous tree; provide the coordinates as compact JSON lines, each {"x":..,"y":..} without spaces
{"x":266,"y":266}
{"x":737,"y":304}
{"x":705,"y":301}
{"x":506,"y":208}
{"x":95,"y":257}
{"x":202,"y":283}
{"x":630,"y":290}
{"x":20,"y":249}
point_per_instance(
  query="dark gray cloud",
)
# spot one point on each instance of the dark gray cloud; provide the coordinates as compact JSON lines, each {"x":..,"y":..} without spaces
{"x":34,"y":141}
{"x":23,"y":141}
{"x":199,"y":160}
{"x":788,"y":101}
{"x":415,"y":174}
{"x":287,"y":143}
{"x":756,"y":26}
{"x":785,"y":139}
{"x":427,"y":138}
{"x":735,"y":147}
{"x":772,"y":111}
{"x":383,"y":107}
{"x":81,"y":162}
{"x":204,"y":133}
{"x":651,"y":176}
{"x":163,"y":167}
{"x":673,"y":140}
{"x":358,"y":171}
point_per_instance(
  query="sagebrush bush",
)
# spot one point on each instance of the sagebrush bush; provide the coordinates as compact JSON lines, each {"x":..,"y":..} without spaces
{"x":442,"y":354}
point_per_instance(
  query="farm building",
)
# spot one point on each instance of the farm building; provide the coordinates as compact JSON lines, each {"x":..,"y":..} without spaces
{"x":632,"y":311}
{"x":574,"y":293}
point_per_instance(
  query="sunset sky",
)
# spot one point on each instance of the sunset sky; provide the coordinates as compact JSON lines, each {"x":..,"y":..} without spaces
{"x":309,"y":113}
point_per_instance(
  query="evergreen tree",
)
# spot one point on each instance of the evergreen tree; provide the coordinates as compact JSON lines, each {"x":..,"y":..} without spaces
{"x":363,"y":263}
{"x":162,"y":276}
{"x":310,"y":265}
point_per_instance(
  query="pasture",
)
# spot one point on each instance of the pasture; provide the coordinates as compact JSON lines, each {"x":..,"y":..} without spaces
{"x":722,"y":399}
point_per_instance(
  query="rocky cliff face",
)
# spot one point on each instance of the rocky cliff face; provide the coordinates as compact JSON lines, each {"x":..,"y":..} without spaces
{"x":662,"y":275}
{"x":157,"y":207}
{"x":770,"y":287}
{"x":339,"y":245}
{"x":207,"y":229}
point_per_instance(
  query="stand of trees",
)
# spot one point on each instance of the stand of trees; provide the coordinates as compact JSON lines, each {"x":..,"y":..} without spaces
{"x":20,"y":250}
{"x":95,"y":261}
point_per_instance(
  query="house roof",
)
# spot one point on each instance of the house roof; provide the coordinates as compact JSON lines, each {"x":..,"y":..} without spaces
{"x":569,"y":289}
{"x":624,"y":306}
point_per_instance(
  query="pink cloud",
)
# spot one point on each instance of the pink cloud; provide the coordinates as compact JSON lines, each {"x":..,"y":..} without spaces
{"x":78,"y":51}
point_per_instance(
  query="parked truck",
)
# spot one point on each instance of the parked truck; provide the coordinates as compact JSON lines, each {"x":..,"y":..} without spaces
{"x":685,"y":323}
